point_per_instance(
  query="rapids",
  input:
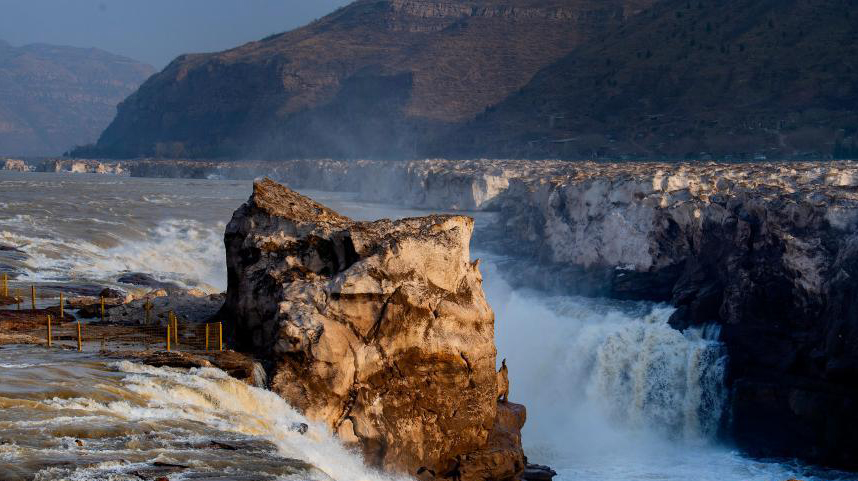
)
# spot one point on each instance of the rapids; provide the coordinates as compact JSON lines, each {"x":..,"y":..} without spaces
{"x":65,"y":416}
{"x":613,"y":393}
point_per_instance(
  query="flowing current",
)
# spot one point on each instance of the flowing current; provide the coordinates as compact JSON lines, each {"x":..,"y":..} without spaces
{"x":81,"y":419}
{"x":613,"y":393}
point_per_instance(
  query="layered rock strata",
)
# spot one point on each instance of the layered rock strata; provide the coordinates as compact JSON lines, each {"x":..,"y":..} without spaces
{"x":379,"y":329}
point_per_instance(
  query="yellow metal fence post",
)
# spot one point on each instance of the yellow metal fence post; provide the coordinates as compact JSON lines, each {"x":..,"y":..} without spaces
{"x":5,"y":285}
{"x":207,"y":337}
{"x":220,"y":336}
{"x":50,"y":338}
{"x":79,"y":338}
{"x":62,"y":307}
{"x":33,"y":296}
{"x":102,"y":308}
{"x":168,"y":337}
{"x":175,"y":322}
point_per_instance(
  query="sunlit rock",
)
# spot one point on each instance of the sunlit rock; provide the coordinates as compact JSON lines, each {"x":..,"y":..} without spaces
{"x":379,"y":329}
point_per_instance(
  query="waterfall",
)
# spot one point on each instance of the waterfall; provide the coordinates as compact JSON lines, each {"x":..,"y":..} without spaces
{"x":607,"y":382}
{"x":648,"y":376}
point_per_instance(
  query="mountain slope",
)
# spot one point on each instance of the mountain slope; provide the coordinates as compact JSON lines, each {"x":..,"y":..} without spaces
{"x":53,"y":98}
{"x":368,"y":80}
{"x":740,"y":78}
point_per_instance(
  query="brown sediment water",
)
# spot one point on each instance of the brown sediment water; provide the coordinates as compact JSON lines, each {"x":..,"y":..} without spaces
{"x":80,"y":232}
{"x":68,"y":416}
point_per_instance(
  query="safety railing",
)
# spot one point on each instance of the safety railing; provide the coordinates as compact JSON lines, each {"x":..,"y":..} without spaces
{"x":53,"y":327}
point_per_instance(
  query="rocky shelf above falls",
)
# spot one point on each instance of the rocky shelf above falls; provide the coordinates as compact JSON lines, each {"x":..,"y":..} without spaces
{"x":768,"y":251}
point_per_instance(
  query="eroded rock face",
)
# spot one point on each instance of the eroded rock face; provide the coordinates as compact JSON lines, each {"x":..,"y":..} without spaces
{"x":766,"y":251}
{"x":380,"y":329}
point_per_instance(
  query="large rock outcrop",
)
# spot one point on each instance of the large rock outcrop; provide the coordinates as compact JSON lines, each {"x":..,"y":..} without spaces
{"x":766,"y":251}
{"x":379,"y":329}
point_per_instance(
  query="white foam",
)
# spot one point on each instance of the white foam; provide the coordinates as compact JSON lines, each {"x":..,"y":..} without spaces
{"x":181,"y":251}
{"x":210,"y":396}
{"x":613,"y":392}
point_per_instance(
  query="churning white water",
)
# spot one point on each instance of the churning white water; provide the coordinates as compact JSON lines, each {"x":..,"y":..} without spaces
{"x":112,"y":421}
{"x":612,"y":392}
{"x":93,"y":228}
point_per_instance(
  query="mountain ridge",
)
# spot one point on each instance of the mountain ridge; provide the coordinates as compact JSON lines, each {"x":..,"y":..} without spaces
{"x":402,"y":79}
{"x":372,"y":73}
{"x":53,"y":97}
{"x":738,"y":79}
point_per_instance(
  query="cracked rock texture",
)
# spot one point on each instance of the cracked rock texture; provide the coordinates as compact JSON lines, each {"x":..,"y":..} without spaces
{"x":380,"y":329}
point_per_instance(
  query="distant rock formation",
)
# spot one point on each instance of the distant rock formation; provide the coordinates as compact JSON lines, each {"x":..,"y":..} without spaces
{"x":53,"y":98}
{"x":379,"y":329}
{"x":16,"y":165}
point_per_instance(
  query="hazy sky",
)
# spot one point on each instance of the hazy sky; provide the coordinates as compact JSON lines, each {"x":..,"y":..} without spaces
{"x":154,"y":31}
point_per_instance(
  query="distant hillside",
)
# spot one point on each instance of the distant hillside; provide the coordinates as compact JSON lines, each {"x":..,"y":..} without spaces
{"x":737,"y":78}
{"x":53,"y":98}
{"x":572,"y":79}
{"x":371,"y":79}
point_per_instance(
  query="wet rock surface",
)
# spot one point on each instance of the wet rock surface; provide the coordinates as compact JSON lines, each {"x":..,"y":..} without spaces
{"x":187,"y":306}
{"x":237,"y":365}
{"x":380,"y":329}
{"x":142,"y":279}
{"x":538,"y":472}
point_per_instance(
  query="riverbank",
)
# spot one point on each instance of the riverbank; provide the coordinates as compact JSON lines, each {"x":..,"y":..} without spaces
{"x":129,"y":337}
